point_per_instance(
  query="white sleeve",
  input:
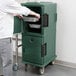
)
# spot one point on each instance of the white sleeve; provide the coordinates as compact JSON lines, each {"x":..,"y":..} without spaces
{"x":15,"y":8}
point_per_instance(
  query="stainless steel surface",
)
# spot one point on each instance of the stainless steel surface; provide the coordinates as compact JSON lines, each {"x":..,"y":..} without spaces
{"x":30,"y":19}
{"x":34,"y":26}
{"x":16,"y":47}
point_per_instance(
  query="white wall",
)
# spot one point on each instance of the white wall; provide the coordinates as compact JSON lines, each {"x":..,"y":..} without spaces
{"x":66,"y":30}
{"x":21,"y":1}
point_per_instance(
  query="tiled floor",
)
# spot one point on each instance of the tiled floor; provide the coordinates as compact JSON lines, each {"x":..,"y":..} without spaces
{"x":54,"y":70}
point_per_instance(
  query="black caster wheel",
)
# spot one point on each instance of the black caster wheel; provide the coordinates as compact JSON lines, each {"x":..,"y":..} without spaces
{"x":15,"y":67}
{"x":26,"y":66}
{"x":41,"y":70}
{"x":52,"y":63}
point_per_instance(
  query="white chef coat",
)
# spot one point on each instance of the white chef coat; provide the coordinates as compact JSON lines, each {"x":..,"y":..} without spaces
{"x":7,"y":9}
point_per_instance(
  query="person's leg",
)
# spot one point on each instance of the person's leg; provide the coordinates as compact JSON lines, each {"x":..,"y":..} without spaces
{"x":7,"y":56}
{"x":0,"y":64}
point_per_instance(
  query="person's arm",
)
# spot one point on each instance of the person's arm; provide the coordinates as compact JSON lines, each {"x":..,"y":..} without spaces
{"x":15,"y":8}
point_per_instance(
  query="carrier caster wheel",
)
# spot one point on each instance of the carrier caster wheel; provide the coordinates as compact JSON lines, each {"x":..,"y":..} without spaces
{"x":15,"y":67}
{"x":41,"y":70}
{"x":26,"y":66}
{"x":52,"y":63}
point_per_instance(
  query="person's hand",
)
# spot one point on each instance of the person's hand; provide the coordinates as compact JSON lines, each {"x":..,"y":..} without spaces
{"x":35,"y":14}
{"x":20,"y":16}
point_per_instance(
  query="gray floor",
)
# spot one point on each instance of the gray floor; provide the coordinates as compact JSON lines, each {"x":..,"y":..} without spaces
{"x":54,"y":70}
